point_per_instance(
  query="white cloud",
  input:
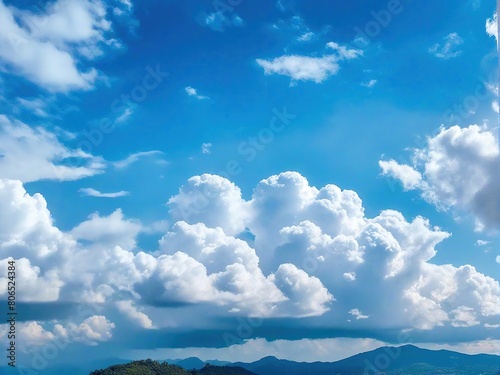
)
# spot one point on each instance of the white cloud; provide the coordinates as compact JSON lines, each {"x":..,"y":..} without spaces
{"x":92,"y":330}
{"x":492,"y":26}
{"x":482,"y":243}
{"x":95,"y":193}
{"x":224,"y":269}
{"x":280,"y":5}
{"x":34,"y":334}
{"x":306,"y":294}
{"x":301,"y":68}
{"x":489,"y":346}
{"x":358,"y":314}
{"x":497,"y":259}
{"x":131,"y":159}
{"x":125,"y":115}
{"x":32,"y":154}
{"x":310,"y":245}
{"x":37,"y":287}
{"x":448,"y":49}
{"x":206,"y":148}
{"x":495,"y":106}
{"x":217,"y":21}
{"x":305,"y":68}
{"x":458,"y":168}
{"x":127,"y":307}
{"x":47,"y":47}
{"x":370,"y":83}
{"x":406,"y":174}
{"x":344,"y":52}
{"x":210,"y":199}
{"x":36,"y":106}
{"x":111,"y":230}
{"x":124,"y":7}
{"x":307,"y":36}
{"x":178,"y":278}
{"x":192,"y":92}
{"x":325,"y":232}
{"x":350,"y":276}
{"x":463,"y":316}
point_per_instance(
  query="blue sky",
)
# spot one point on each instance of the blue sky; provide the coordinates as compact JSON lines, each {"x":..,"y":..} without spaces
{"x":171,"y":169}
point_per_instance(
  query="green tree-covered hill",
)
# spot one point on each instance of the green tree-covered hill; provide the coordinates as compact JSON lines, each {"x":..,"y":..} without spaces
{"x":150,"y":367}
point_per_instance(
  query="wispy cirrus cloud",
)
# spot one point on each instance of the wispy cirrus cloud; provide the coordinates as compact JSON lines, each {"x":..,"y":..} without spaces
{"x":449,"y":48}
{"x":36,"y":106}
{"x":218,"y":21}
{"x":344,"y":52}
{"x":35,"y":153}
{"x":206,"y":148}
{"x":133,"y":158}
{"x":307,"y":36}
{"x":95,"y":193}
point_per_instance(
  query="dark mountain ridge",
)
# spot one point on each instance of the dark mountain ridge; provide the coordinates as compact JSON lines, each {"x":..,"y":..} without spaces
{"x":407,"y":359}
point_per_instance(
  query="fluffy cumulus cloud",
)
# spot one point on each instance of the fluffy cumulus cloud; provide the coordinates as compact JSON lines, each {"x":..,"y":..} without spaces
{"x":449,"y":48}
{"x":325,"y":234}
{"x":31,"y":154}
{"x":195,"y":202}
{"x":48,"y":46}
{"x":226,"y":271}
{"x":135,"y":157}
{"x":307,"y":68}
{"x":457,"y":168}
{"x":91,"y":331}
{"x":108,"y":230}
{"x":313,"y":252}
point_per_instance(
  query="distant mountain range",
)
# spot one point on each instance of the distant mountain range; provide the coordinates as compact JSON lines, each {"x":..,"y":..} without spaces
{"x":404,"y":360}
{"x":196,"y":363}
